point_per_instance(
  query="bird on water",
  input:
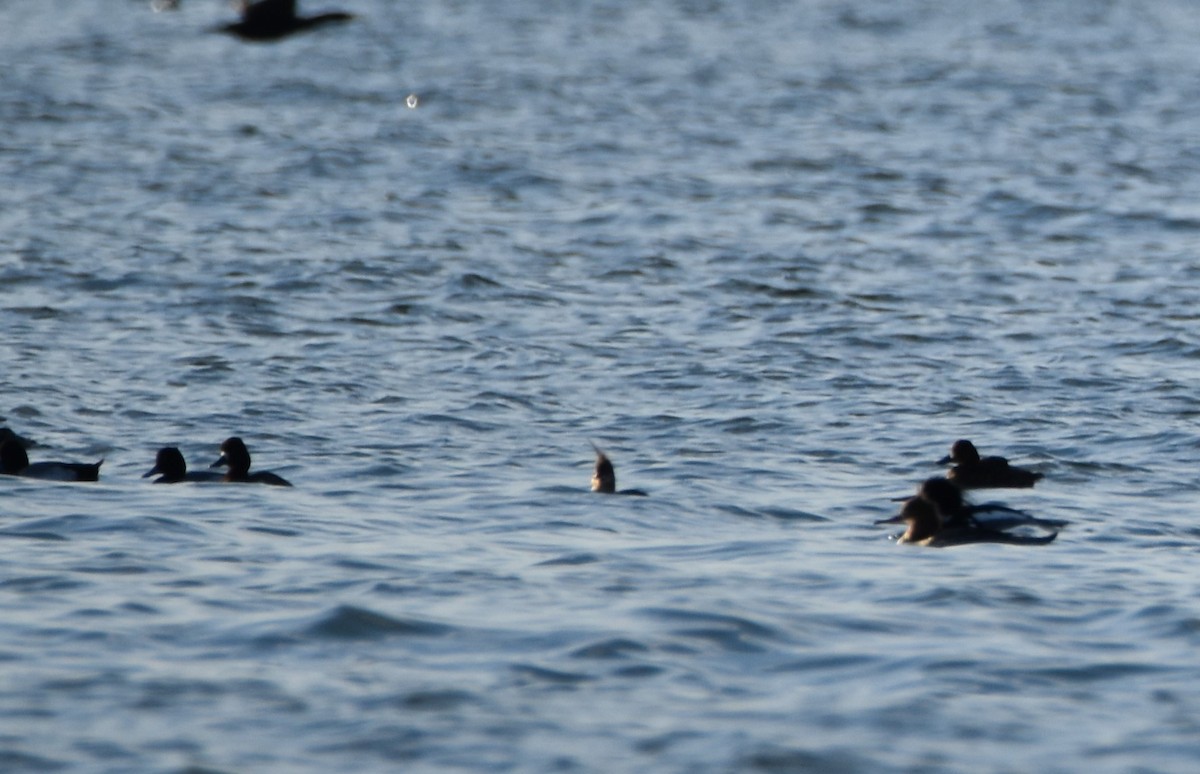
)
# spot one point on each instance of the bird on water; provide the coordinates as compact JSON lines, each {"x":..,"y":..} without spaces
{"x":171,"y":468}
{"x":15,"y":462}
{"x":604,"y":477}
{"x":925,"y":526}
{"x":971,"y":471}
{"x":236,"y":457}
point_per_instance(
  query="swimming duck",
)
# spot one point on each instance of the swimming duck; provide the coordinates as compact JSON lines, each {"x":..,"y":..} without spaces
{"x":972,"y":472}
{"x":604,"y":477}
{"x":15,"y":462}
{"x":171,"y":468}
{"x":275,"y":19}
{"x":926,"y":528}
{"x":236,"y":456}
{"x":953,"y":511}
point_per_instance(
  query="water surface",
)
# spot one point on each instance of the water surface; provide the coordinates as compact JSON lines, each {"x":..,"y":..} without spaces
{"x":772,"y":257}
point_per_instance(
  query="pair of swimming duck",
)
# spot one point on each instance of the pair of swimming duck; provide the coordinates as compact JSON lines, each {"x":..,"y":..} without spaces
{"x":169,"y":466}
{"x":938,"y":515}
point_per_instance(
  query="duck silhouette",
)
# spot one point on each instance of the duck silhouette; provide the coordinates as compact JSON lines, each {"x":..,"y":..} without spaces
{"x":15,"y":462}
{"x":971,"y":471}
{"x":954,"y":511}
{"x":171,"y":468}
{"x":604,"y":477}
{"x":236,"y":457}
{"x":925,"y":527}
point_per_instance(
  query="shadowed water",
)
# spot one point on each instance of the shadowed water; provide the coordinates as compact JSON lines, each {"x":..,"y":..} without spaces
{"x":773,"y":258}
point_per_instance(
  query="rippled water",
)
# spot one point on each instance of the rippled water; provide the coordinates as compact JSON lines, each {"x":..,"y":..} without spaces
{"x":773,"y":257}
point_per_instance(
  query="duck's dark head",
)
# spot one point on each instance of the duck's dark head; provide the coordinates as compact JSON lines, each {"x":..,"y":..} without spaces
{"x":168,"y":463}
{"x":234,"y":455}
{"x":13,"y":458}
{"x":942,"y":493}
{"x":961,"y":451}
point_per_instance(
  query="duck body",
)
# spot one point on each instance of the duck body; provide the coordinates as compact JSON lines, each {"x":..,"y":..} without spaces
{"x":171,"y":468}
{"x":604,"y":477}
{"x":939,"y":516}
{"x":236,"y":457}
{"x":274,"y":19}
{"x":971,"y":471}
{"x":954,"y":510}
{"x":962,"y":536}
{"x":15,"y":462}
{"x":996,"y":516}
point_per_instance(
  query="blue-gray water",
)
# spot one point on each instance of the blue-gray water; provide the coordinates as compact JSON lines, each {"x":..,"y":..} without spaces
{"x":773,"y":257}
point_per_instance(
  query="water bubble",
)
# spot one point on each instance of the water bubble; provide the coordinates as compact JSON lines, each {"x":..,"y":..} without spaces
{"x":412,"y":101}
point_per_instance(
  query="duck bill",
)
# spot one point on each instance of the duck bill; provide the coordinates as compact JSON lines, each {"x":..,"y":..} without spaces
{"x":944,"y":460}
{"x":154,"y":471}
{"x":220,"y":463}
{"x":893,"y":520}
